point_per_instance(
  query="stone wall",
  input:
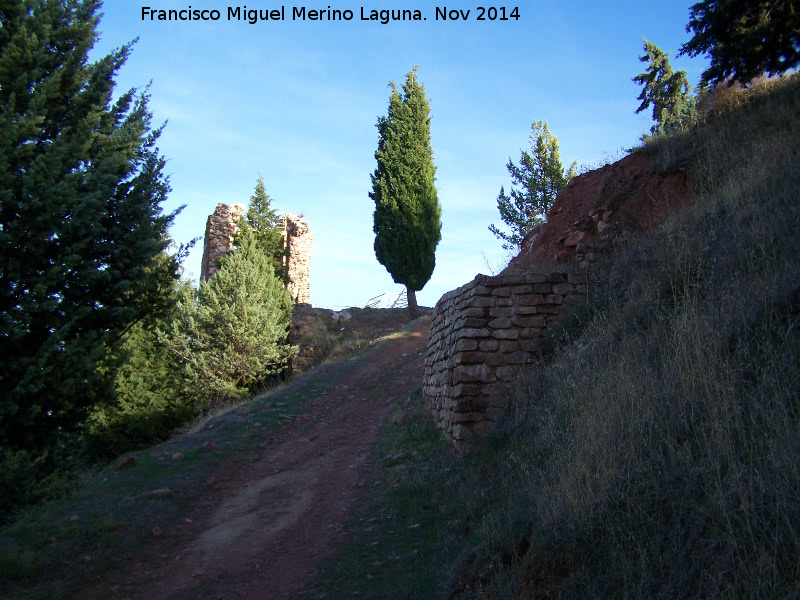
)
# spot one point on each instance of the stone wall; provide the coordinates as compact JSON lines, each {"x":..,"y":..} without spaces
{"x":220,"y":228}
{"x":298,"y":237}
{"x":482,"y":335}
{"x":218,"y":240}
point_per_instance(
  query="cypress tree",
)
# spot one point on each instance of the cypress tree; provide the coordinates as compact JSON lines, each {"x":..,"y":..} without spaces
{"x":81,"y":227}
{"x":407,"y":217}
{"x":535,"y":181}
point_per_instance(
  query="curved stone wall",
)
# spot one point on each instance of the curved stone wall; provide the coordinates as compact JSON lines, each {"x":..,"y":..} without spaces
{"x":481,"y":336}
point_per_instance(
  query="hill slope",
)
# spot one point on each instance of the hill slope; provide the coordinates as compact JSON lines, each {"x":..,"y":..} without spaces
{"x":656,"y":455}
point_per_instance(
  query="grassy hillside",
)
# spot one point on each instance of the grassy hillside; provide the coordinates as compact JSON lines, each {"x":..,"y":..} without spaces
{"x":658,"y":454}
{"x":655,"y":455}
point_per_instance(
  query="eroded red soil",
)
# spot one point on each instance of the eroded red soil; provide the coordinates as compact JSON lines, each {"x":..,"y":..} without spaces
{"x":265,"y":522}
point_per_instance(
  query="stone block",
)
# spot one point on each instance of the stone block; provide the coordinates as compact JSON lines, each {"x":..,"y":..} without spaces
{"x":474,"y":322}
{"x":466,"y":345}
{"x":467,"y":389}
{"x":535,"y":278}
{"x":505,"y":334}
{"x":482,"y":290}
{"x":563,"y":288}
{"x":474,"y":312}
{"x":531,"y":300}
{"x":554,"y":299}
{"x":467,"y":358}
{"x":521,"y":289}
{"x":505,"y":301}
{"x":520,"y":321}
{"x":472,"y":333}
{"x":543,"y":288}
{"x":500,"y":323}
{"x":501,"y":291}
{"x":525,"y":310}
{"x":502,"y":311}
{"x":556,"y":277}
{"x":483,"y":302}
{"x":488,"y":345}
{"x":472,"y":373}
{"x":506,"y":347}
{"x":495,"y":359}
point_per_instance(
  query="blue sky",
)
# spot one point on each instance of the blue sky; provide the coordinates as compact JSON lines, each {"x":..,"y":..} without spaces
{"x":297,"y":101}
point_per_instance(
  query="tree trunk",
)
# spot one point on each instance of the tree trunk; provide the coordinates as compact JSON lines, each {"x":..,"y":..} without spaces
{"x":413,"y":309}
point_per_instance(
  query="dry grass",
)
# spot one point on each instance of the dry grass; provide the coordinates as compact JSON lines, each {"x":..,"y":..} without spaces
{"x":657,"y":455}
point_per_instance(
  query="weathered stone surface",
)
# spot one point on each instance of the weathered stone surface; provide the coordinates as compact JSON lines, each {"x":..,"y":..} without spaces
{"x":465,"y":345}
{"x":482,"y":335}
{"x":218,"y":241}
{"x":500,"y":323}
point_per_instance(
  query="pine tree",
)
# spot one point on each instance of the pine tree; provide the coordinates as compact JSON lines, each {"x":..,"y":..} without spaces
{"x":666,"y":91}
{"x":407,"y":217}
{"x":265,"y":224}
{"x":233,"y":336}
{"x":81,"y":226}
{"x":539,"y":177}
{"x":744,"y":38}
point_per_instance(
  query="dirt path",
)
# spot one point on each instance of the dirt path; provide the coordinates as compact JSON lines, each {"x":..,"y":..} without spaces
{"x":267,"y":524}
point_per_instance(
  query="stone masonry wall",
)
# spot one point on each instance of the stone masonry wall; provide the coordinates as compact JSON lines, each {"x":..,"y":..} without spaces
{"x":220,"y":228}
{"x":482,"y":335}
{"x":299,"y":238}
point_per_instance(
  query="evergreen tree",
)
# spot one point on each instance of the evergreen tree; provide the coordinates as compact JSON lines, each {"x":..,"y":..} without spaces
{"x":666,"y":91}
{"x":407,"y":217}
{"x":81,"y":226}
{"x":152,"y":396}
{"x":265,"y":224}
{"x":744,"y":38}
{"x":538,"y":178}
{"x":233,"y":336}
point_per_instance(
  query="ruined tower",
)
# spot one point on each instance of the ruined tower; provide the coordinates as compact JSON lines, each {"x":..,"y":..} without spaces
{"x":296,"y":232}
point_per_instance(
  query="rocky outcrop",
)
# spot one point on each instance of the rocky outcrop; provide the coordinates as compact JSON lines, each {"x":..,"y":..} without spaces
{"x":602,"y":209}
{"x":482,"y":335}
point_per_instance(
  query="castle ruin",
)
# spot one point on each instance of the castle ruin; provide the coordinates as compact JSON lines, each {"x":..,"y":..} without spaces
{"x":221,"y":227}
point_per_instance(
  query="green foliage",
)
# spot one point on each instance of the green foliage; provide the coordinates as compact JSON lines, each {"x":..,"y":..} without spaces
{"x":29,"y":477}
{"x":666,"y":91}
{"x":407,"y":217}
{"x":744,"y":38}
{"x":81,"y":228}
{"x":233,"y":336}
{"x":264,"y":222}
{"x":540,"y":176}
{"x":151,"y":395}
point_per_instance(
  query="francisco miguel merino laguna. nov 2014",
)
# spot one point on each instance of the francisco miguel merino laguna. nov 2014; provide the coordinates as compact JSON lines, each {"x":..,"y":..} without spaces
{"x":298,"y":13}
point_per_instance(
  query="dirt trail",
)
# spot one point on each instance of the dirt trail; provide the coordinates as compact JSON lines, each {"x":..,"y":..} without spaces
{"x":267,"y":524}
